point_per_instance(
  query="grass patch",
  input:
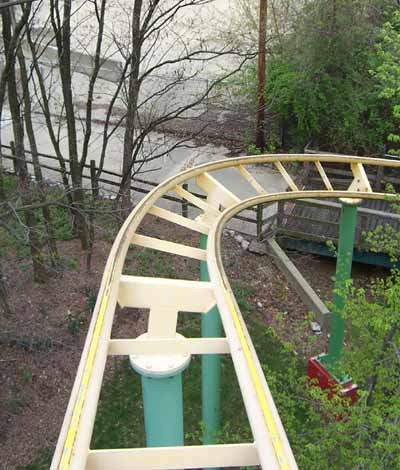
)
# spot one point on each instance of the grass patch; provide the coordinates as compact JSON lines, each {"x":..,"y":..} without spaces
{"x":119,"y":420}
{"x":42,"y":461}
{"x":148,"y":262}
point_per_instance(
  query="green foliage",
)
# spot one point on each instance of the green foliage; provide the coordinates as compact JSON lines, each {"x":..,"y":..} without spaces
{"x":27,"y":343}
{"x":368,"y":435}
{"x":75,"y":322}
{"x":26,"y":375}
{"x":10,"y":184}
{"x":72,"y":263}
{"x":151,"y":262}
{"x":252,"y":149}
{"x":386,"y":238}
{"x":15,"y":404}
{"x":42,"y":462}
{"x":271,"y":146}
{"x":331,"y":247}
{"x":91,"y":297}
{"x":330,"y":99}
{"x":15,"y":238}
{"x":387,"y":68}
{"x":61,"y":222}
{"x":119,"y":419}
{"x":318,"y":80}
{"x":242,"y":295}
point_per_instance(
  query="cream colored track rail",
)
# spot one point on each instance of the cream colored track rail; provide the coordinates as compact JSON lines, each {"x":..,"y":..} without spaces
{"x":166,"y":297}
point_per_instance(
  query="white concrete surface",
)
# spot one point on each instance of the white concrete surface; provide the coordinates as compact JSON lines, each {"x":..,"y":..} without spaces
{"x":158,"y":170}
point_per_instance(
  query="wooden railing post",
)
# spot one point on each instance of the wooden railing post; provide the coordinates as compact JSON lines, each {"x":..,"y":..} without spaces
{"x":93,"y":179}
{"x":259,"y":221}
{"x":185,"y":207}
{"x":281,"y":213}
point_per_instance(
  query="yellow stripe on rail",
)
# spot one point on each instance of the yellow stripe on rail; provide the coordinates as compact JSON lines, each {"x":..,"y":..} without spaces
{"x":268,"y":417}
{"x":82,"y":392}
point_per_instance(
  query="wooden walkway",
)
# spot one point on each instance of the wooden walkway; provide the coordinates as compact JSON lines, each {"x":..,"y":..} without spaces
{"x":308,"y":225}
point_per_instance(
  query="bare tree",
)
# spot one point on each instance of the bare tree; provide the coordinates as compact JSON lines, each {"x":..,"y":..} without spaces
{"x":132,"y":100}
{"x":27,"y":119}
{"x":150,"y":23}
{"x":11,"y":38}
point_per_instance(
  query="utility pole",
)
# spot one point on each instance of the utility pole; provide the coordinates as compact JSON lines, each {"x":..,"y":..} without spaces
{"x":260,"y":113}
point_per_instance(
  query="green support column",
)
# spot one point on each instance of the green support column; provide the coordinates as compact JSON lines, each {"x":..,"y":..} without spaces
{"x":162,"y":397}
{"x":347,"y":231}
{"x":210,"y":366}
{"x":163,"y":411}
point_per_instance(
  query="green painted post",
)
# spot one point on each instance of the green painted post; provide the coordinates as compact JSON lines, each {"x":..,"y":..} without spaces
{"x":347,"y":231}
{"x":211,"y":327}
{"x":162,"y":397}
{"x":163,"y":411}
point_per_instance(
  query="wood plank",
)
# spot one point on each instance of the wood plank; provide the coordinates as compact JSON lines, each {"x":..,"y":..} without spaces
{"x":289,"y":181}
{"x":309,"y":220}
{"x":179,"y":220}
{"x":217,"y":194}
{"x":362,"y":210}
{"x":250,"y":179}
{"x":168,"y":346}
{"x":167,"y":458}
{"x":169,"y":247}
{"x":299,"y":283}
{"x":149,"y":292}
{"x":300,"y":234}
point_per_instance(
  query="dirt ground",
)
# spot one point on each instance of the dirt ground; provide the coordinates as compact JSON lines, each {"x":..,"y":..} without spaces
{"x":41,"y":344}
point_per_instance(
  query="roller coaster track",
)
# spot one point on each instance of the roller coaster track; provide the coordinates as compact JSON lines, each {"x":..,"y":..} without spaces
{"x":166,"y":297}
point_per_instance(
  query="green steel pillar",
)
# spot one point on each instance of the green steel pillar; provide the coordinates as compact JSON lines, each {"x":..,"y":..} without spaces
{"x":347,"y":231}
{"x":162,"y":397}
{"x":210,"y":366}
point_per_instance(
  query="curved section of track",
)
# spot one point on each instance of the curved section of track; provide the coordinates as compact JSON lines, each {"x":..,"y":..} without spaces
{"x":166,"y":297}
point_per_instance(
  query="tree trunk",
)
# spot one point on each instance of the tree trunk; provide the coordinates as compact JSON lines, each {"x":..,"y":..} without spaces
{"x":45,"y":106}
{"x":133,"y":95}
{"x":39,"y":268}
{"x":51,"y":238}
{"x":63,"y":41}
{"x":260,"y":116}
{"x":5,"y":306}
{"x":12,"y":39}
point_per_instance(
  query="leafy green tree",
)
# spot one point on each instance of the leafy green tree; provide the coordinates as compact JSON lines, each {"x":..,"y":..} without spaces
{"x":321,"y":86}
{"x":386,"y":238}
{"x":319,"y":83}
{"x":387,"y":69}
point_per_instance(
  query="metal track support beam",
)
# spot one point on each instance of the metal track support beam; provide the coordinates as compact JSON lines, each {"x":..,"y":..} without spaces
{"x":211,"y":327}
{"x":347,"y":231}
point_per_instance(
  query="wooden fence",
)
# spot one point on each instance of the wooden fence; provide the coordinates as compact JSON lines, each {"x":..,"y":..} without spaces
{"x":8,"y":153}
{"x":318,"y":221}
